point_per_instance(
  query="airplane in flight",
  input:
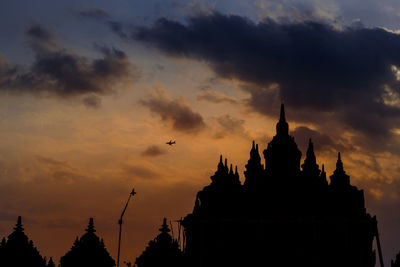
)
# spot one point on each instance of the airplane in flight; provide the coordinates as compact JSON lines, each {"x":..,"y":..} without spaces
{"x":170,"y":142}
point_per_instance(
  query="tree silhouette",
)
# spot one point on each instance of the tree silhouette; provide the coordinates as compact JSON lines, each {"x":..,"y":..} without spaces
{"x":162,"y":251}
{"x":87,"y":251}
{"x":19,"y":251}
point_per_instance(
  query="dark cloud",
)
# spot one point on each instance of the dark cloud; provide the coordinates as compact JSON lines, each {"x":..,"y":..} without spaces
{"x":153,"y":151}
{"x":117,"y":28}
{"x":321,"y":141}
{"x":315,"y":68}
{"x":229,"y":125}
{"x":175,"y":111}
{"x":93,"y":12}
{"x":60,"y":72}
{"x":92,"y":101}
{"x":215,"y":97}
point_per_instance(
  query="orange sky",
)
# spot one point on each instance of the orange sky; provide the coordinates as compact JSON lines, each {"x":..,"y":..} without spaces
{"x":73,"y":148}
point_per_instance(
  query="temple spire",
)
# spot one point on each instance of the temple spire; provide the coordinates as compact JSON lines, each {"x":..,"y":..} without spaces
{"x":339,"y":163}
{"x":90,"y":228}
{"x":310,"y":165}
{"x":339,"y":177}
{"x":18,"y":227}
{"x":220,"y":164}
{"x":282,"y":127}
{"x":282,"y":118}
{"x":164,"y":227}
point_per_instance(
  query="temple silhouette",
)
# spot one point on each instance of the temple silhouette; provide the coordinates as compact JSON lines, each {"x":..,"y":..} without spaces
{"x":285,"y":214}
{"x":87,"y":251}
{"x":162,"y":251}
{"x":18,"y":250}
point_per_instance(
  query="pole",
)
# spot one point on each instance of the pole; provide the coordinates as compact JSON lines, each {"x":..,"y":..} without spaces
{"x":378,"y":242}
{"x":120,"y":224}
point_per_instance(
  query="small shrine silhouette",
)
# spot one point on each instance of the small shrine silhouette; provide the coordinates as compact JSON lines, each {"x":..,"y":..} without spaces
{"x":284,"y":214}
{"x":162,"y":251}
{"x":19,"y":251}
{"x":87,"y":251}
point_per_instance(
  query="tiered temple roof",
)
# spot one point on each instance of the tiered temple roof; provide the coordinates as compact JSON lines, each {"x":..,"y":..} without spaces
{"x":284,"y":214}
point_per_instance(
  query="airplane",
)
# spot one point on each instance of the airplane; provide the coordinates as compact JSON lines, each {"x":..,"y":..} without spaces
{"x":170,"y":142}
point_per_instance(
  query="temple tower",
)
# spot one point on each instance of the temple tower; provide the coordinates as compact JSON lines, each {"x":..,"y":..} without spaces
{"x":282,"y":157}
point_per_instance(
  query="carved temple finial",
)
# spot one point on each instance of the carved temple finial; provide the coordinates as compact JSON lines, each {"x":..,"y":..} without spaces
{"x":164,"y":227}
{"x":282,"y":127}
{"x":18,"y":226}
{"x":339,"y":163}
{"x":282,"y":117}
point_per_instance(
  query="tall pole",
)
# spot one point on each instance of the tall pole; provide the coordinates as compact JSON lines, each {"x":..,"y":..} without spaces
{"x":378,"y":242}
{"x":120,"y":223}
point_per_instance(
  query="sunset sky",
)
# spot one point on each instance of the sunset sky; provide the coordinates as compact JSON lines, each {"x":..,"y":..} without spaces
{"x":90,"y":91}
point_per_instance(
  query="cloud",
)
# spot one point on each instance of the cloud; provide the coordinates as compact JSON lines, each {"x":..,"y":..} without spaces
{"x":59,"y":72}
{"x":92,"y":101}
{"x":322,"y":142}
{"x":117,"y":28}
{"x":297,"y":11}
{"x":229,"y":125}
{"x":215,"y":97}
{"x":349,"y":75}
{"x":58,"y":170}
{"x":176,"y":112}
{"x":140,"y":171}
{"x":153,"y":151}
{"x":93,"y":12}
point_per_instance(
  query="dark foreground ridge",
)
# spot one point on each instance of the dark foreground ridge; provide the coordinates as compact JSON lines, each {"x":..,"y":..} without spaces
{"x":285,"y":214}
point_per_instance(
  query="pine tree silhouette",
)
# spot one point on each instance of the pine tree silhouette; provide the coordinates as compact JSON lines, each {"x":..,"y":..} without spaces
{"x":87,"y":251}
{"x":162,"y":251}
{"x":19,"y":251}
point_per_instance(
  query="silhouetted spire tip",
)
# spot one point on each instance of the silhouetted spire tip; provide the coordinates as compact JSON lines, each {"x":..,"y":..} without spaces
{"x":164,"y":227}
{"x":339,"y":163}
{"x":282,"y":127}
{"x":282,"y":116}
{"x":90,"y":228}
{"x":18,"y":226}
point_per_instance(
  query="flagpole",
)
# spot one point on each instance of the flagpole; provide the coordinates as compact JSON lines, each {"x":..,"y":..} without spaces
{"x":120,"y":223}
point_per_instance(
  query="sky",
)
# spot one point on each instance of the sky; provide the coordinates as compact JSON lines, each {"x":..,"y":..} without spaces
{"x":90,"y":91}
